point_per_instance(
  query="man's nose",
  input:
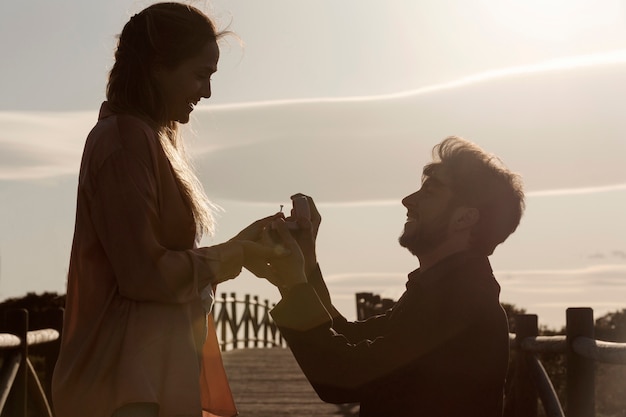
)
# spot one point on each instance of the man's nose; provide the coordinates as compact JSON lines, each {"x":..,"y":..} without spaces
{"x":409,"y":199}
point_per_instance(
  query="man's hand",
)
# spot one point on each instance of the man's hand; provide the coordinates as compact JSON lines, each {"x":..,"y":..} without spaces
{"x":306,"y":234}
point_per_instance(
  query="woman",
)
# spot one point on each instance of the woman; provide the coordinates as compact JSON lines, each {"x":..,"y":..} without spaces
{"x":134,"y":340}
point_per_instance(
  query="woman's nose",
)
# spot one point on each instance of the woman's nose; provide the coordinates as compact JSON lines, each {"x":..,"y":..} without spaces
{"x":205,"y":92}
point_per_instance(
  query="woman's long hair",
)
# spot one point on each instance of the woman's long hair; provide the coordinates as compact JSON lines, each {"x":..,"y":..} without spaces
{"x":162,"y":35}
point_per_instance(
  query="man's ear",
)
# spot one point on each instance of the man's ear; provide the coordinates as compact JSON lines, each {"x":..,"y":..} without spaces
{"x":466,"y":218}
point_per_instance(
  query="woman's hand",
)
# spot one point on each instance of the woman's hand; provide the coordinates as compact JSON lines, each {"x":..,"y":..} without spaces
{"x":281,"y":261}
{"x":253,"y":232}
{"x":288,"y":268}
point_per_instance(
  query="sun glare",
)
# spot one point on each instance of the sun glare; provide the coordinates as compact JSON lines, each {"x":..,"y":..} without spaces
{"x":556,"y":20}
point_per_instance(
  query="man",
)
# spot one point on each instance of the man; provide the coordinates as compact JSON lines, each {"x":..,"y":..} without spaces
{"x":442,"y":350}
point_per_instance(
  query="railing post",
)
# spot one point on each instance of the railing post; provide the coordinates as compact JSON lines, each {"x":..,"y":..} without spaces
{"x":17,"y":323}
{"x":580,"y":371}
{"x":525,"y":391}
{"x":256,"y":322}
{"x":51,"y":361}
{"x":246,"y":316}
{"x":362,"y":299}
{"x":266,"y":324}
{"x":223,"y":321}
{"x":233,"y":318}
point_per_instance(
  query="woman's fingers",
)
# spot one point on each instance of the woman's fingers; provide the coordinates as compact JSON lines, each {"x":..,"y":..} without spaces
{"x":253,"y":231}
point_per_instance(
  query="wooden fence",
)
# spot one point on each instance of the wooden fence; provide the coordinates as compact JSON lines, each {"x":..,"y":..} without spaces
{"x":20,"y":387}
{"x":532,"y":381}
{"x":582,"y":352}
{"x":246,"y":323}
{"x":239,"y":323}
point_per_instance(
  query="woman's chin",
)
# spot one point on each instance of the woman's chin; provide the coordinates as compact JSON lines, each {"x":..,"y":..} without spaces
{"x":183,"y":119}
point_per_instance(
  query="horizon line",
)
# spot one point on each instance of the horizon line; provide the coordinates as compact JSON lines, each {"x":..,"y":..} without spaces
{"x":503,"y":275}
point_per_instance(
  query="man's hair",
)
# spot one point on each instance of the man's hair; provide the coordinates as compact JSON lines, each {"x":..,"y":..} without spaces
{"x":480,"y":180}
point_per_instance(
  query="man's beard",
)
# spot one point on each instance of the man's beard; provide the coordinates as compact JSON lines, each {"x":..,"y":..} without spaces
{"x":428,"y":236}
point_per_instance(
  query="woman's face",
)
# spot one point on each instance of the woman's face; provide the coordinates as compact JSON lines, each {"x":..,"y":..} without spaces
{"x":183,"y":86}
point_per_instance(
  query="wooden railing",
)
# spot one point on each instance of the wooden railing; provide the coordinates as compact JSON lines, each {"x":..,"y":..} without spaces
{"x":239,"y":323}
{"x":369,"y":304}
{"x":531,"y":381}
{"x":18,"y":378}
{"x":245,"y":323}
{"x":582,"y":352}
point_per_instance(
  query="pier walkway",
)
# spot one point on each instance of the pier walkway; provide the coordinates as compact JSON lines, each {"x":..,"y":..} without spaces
{"x":269,"y":383}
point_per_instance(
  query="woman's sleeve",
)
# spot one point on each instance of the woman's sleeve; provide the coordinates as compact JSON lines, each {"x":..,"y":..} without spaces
{"x":124,"y":204}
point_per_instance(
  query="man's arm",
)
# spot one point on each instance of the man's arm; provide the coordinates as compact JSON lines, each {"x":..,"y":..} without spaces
{"x":306,"y":238}
{"x":341,"y":371}
{"x":354,"y":331}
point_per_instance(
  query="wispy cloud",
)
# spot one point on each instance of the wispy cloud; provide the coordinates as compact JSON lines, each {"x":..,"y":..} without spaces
{"x":531,"y":281}
{"x":591,"y":270}
{"x":397,"y":201}
{"x":605,"y":305}
{"x":561,"y":192}
{"x":557,"y":64}
{"x":386,"y":284}
{"x":540,"y":193}
{"x":559,"y":282}
{"x":518,"y":113}
{"x":547,"y":292}
{"x":616,"y":254}
{"x":577,"y":191}
{"x":35,"y":145}
{"x":368,"y":276}
{"x":38,"y":145}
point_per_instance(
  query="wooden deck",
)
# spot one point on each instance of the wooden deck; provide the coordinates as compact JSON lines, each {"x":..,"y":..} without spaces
{"x":269,"y":383}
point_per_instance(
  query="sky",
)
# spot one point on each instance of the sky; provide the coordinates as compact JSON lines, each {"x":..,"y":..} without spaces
{"x":344,"y":101}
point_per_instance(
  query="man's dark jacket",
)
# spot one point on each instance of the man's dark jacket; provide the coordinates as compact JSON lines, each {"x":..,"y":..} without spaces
{"x":442,"y":350}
